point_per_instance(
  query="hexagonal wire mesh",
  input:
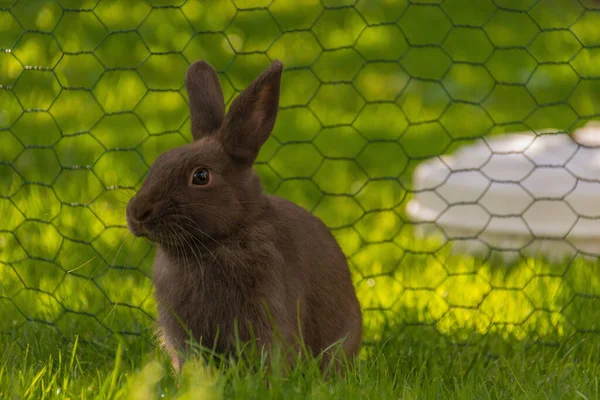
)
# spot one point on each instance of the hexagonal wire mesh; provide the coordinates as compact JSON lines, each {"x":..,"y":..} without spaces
{"x":92,"y":91}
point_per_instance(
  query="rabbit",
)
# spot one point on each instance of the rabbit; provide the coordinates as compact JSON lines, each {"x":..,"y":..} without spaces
{"x":226,"y":252}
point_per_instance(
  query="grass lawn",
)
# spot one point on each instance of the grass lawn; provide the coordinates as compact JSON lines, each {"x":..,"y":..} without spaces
{"x":409,"y":367}
{"x":526,"y":330}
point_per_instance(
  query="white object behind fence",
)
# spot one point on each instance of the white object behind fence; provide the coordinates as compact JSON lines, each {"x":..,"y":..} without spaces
{"x":515,"y":192}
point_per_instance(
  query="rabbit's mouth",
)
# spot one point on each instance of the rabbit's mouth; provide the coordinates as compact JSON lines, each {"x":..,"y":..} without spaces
{"x":166,"y":232}
{"x":156,"y":234}
{"x":144,"y":229}
{"x":154,"y":237}
{"x":137,"y":227}
{"x":148,"y":228}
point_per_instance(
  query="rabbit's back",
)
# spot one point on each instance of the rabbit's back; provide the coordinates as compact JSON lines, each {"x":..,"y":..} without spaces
{"x":315,"y":263}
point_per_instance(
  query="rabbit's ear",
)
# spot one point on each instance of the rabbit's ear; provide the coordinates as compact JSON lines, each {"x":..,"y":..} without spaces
{"x":252,"y":115}
{"x":207,"y":107}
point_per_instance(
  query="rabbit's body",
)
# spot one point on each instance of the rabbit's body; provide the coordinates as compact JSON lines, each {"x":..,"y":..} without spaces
{"x":256,"y":265}
{"x":228,"y":254}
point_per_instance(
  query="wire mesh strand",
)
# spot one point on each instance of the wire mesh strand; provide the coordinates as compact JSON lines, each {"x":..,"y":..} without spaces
{"x":92,"y":91}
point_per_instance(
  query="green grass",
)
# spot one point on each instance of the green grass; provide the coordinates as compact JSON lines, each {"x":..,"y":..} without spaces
{"x":406,"y":366}
{"x":436,"y":326}
{"x":442,"y":326}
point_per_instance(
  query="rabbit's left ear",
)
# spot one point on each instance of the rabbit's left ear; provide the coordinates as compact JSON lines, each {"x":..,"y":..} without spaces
{"x":252,"y":115}
{"x":207,"y":107}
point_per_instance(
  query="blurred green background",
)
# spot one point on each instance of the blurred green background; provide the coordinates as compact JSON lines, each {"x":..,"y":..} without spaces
{"x":92,"y":91}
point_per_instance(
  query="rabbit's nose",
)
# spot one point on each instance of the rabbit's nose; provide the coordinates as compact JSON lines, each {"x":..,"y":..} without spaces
{"x":144,"y":213}
{"x":137,"y":213}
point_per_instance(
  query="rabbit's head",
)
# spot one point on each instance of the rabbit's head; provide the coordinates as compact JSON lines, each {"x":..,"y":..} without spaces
{"x":207,"y":188}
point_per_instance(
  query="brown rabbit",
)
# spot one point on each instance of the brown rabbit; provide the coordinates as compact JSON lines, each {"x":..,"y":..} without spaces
{"x":228,"y":253}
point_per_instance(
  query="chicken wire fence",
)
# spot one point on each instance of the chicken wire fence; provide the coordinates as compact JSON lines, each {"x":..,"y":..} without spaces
{"x":92,"y":91}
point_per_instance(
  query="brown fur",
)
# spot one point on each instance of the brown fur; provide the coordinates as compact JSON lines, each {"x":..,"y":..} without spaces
{"x":226,"y":250}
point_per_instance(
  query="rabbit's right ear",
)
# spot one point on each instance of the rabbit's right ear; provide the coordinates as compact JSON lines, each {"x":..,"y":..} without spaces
{"x":207,"y":106}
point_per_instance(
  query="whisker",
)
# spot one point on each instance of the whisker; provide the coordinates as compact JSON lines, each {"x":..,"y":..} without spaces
{"x":122,"y":240}
{"x":185,"y":238}
{"x":195,"y":226}
{"x":116,"y":224}
{"x":186,"y":235}
{"x":179,"y":244}
{"x":201,"y":264}
{"x":184,"y":244}
{"x":201,"y":204}
{"x":82,"y":265}
{"x":122,"y":273}
{"x":186,"y":260}
{"x":125,"y":193}
{"x":206,"y":247}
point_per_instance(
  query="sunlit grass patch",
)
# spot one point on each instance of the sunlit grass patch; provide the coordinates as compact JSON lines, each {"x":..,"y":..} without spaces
{"x":408,"y":365}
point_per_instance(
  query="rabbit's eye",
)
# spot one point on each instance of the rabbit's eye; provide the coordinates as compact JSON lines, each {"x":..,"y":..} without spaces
{"x":201,"y":176}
